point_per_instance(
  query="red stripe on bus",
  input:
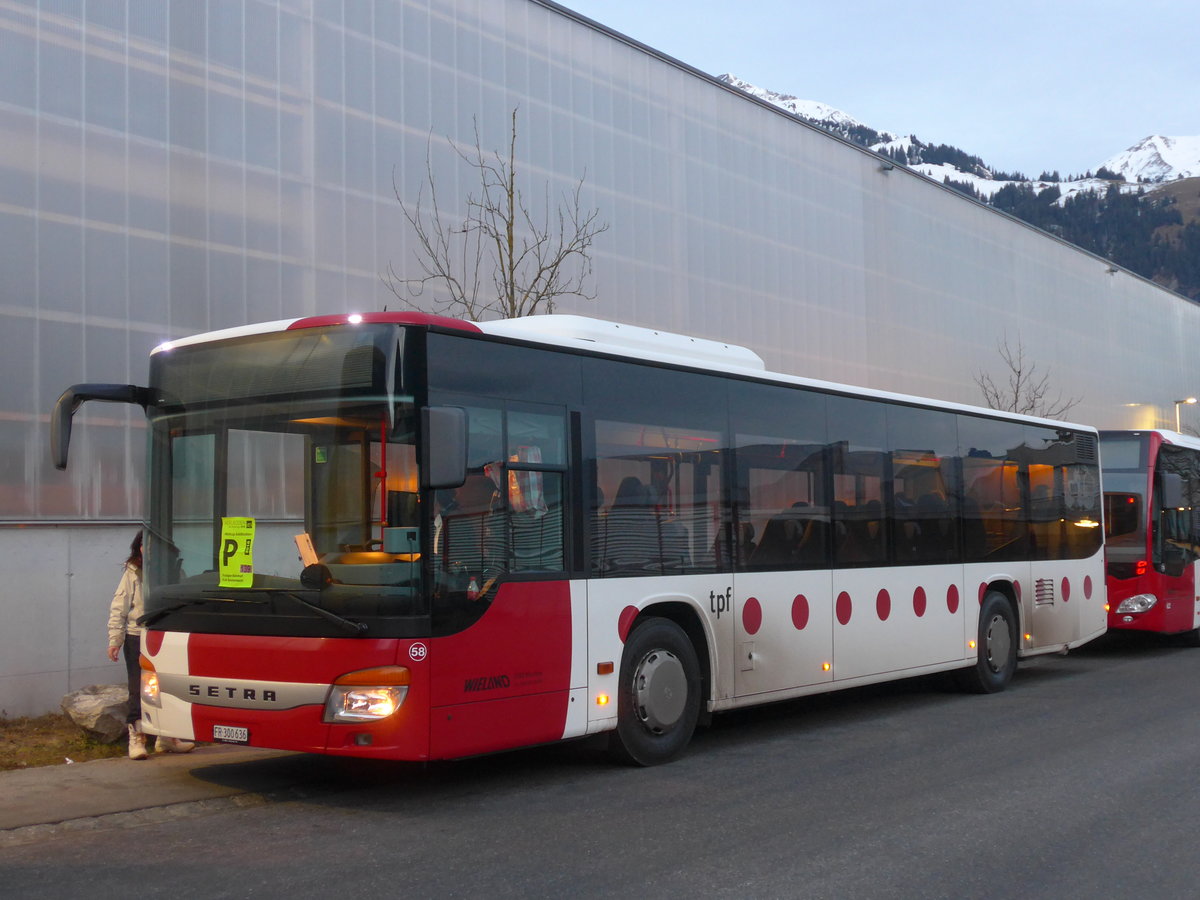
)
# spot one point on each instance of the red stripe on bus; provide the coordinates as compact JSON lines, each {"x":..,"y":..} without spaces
{"x":286,"y":659}
{"x":386,"y":318}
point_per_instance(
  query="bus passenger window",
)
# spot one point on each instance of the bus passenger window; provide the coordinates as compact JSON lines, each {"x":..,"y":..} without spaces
{"x":665,"y":511}
{"x":858,"y":521}
{"x":781,"y":501}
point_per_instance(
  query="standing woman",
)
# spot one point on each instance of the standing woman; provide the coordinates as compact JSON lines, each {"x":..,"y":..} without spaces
{"x":124,"y":632}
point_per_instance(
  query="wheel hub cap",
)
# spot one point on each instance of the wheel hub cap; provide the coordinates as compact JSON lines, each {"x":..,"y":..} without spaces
{"x":999,"y":643}
{"x":660,"y":690}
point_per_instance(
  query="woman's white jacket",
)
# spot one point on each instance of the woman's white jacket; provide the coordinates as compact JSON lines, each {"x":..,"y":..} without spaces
{"x":126,"y":607}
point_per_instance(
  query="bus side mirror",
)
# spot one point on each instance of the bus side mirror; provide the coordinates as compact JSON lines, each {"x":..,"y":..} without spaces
{"x":72,"y":397}
{"x":445,"y":438}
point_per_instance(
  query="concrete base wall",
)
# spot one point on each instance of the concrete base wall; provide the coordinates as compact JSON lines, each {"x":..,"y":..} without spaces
{"x":57,"y":587}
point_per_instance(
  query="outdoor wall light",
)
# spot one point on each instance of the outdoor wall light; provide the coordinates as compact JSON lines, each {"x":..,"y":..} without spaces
{"x":1179,"y":403}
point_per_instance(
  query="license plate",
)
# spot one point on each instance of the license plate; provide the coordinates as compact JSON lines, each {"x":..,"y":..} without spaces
{"x":231,"y":734}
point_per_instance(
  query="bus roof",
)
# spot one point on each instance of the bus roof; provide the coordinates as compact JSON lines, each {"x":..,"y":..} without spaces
{"x":1169,"y":437}
{"x":598,"y":335}
{"x":591,"y":335}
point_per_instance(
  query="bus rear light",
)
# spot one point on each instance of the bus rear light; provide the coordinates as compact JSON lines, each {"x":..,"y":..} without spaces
{"x":367,"y":695}
{"x":1138,"y":603}
{"x":1141,"y":567}
{"x":149,"y":682}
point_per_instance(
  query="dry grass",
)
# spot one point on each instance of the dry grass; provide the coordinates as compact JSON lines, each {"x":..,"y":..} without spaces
{"x":1186,"y":194}
{"x":49,"y":740}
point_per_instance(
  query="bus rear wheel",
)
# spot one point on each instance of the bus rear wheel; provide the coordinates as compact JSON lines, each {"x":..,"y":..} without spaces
{"x":658,"y":697}
{"x":996,"y":647}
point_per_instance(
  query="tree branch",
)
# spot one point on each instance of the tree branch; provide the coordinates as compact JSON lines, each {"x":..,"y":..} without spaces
{"x":534,"y":260}
{"x":1025,"y":392}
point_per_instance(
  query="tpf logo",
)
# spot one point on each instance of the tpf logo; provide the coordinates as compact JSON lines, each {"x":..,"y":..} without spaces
{"x":719,"y":603}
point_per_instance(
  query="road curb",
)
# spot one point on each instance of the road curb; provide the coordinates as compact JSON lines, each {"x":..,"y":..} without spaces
{"x":150,"y":815}
{"x":110,"y":792}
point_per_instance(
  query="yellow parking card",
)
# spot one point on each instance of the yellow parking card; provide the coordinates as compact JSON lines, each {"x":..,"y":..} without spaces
{"x":237,"y":552}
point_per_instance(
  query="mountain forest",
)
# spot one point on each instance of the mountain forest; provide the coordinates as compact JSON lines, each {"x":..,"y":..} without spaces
{"x":1154,"y":232}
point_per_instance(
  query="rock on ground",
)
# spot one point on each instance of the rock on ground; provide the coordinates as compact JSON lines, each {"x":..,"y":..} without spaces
{"x":99,"y":709}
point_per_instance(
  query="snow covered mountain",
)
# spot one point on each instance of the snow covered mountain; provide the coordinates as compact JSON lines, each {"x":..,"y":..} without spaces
{"x":1153,"y":159}
{"x":1157,"y":158}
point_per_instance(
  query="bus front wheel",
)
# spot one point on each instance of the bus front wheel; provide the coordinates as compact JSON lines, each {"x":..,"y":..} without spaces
{"x":658,"y":697}
{"x":996,"y":648}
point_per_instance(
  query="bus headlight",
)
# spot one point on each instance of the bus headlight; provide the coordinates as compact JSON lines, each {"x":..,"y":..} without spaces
{"x":149,"y":683}
{"x":1138,"y":603}
{"x":367,"y":695}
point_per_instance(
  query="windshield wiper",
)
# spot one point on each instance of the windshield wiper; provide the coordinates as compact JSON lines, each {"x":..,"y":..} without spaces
{"x":151,"y":617}
{"x":340,"y":621}
{"x":347,"y":625}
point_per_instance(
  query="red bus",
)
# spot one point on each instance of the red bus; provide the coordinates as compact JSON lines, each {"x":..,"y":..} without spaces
{"x":1152,"y":531}
{"x":403,"y":536}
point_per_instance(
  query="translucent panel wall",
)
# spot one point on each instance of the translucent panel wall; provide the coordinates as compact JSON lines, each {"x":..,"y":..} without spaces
{"x":174,"y":167}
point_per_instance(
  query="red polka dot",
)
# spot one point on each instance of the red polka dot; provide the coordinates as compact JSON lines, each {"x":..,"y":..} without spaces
{"x":952,"y":598}
{"x":800,"y":612}
{"x":844,"y":607}
{"x":752,"y":616}
{"x":1066,"y":590}
{"x":154,"y":641}
{"x":883,"y":605}
{"x":982,"y":591}
{"x":625,"y":621}
{"x":919,"y":602}
{"x":1087,"y":587}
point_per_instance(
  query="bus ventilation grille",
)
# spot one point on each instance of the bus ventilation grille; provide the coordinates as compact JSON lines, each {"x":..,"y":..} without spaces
{"x":1043,"y":591}
{"x":1085,"y":448}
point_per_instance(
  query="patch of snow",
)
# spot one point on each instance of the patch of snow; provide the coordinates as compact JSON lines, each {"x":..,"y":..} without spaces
{"x":806,"y":109}
{"x":901,"y":144}
{"x":1095,"y":185}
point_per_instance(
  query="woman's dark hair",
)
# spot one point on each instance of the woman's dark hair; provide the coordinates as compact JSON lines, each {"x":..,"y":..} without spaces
{"x":135,"y":551}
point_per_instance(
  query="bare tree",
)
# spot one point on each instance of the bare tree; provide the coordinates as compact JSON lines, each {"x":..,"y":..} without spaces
{"x":1024,"y":391}
{"x":501,"y":259}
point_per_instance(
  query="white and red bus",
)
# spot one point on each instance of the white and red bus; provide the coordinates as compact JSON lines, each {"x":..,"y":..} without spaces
{"x":1152,"y":531}
{"x":410,"y":537}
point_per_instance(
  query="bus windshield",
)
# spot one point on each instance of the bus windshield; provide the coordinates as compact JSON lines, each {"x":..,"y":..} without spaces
{"x":1125,"y":514}
{"x":1123,"y":460}
{"x":285,"y":475}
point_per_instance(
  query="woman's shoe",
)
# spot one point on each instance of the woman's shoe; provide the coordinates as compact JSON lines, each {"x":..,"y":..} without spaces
{"x":137,"y":742}
{"x":172,"y":745}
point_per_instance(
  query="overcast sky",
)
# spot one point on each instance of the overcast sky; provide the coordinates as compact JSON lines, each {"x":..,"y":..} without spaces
{"x":1027,"y":85}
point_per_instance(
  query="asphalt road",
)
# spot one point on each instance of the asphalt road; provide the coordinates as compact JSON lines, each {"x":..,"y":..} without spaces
{"x":1079,"y":781}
